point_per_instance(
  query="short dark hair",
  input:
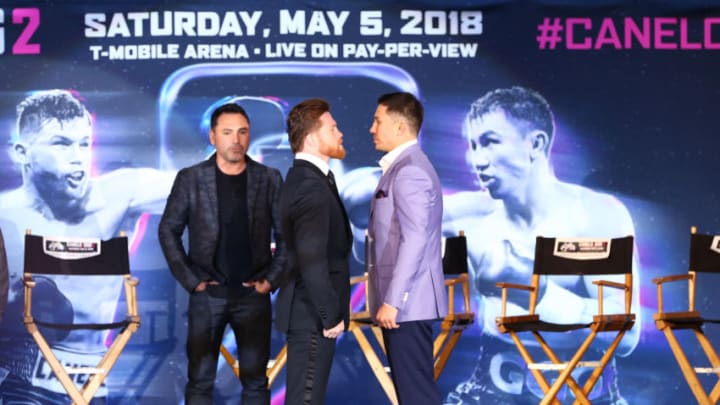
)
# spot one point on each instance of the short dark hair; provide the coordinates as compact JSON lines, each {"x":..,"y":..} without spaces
{"x":526,"y":108}
{"x":45,"y":105}
{"x":406,"y":105}
{"x":303,"y":119}
{"x":229,"y":108}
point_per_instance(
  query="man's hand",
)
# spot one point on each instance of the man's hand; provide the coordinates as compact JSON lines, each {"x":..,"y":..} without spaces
{"x":203,"y":285}
{"x":262,"y":286}
{"x":386,"y":316}
{"x":335,"y":331}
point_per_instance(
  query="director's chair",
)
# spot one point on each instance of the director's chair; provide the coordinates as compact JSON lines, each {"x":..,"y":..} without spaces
{"x":704,"y":258}
{"x":451,"y":327}
{"x":455,"y":268}
{"x":572,"y":257}
{"x":79,"y":257}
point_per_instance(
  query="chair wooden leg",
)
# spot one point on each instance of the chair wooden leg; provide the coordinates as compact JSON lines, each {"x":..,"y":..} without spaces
{"x":57,"y":368}
{"x":443,"y":356}
{"x":604,"y":360}
{"x":108,"y":361}
{"x":279,"y":363}
{"x":439,"y":341}
{"x":712,"y":356}
{"x":539,"y":377}
{"x":230,"y":360}
{"x":574,"y":386}
{"x":272,"y":371}
{"x":686,"y":368}
{"x":379,"y":338}
{"x":551,"y":394}
{"x":375,"y":364}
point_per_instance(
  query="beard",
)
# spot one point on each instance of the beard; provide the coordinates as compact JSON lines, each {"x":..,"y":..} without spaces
{"x":335,"y":152}
{"x":233,"y":154}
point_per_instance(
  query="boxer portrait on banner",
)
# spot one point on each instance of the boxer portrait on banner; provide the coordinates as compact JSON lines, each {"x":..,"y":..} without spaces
{"x":60,"y":197}
{"x":510,"y":132}
{"x":405,"y":275}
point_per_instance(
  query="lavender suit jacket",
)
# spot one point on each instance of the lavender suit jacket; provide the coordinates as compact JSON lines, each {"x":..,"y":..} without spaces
{"x":405,"y":259}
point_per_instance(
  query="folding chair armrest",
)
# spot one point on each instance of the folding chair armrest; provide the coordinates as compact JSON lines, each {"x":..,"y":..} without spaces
{"x":613,"y":284}
{"x":131,"y":284}
{"x":659,"y":281}
{"x":626,"y":287}
{"x":464,"y":281}
{"x":358,"y":279}
{"x":505,"y":286}
{"x":676,"y":277}
{"x":515,"y":286}
{"x":28,"y":281}
{"x":28,"y":284}
{"x":462,"y":278}
{"x":132,"y":281}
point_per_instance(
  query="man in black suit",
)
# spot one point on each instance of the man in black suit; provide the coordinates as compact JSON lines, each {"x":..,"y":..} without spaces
{"x":229,"y":204}
{"x":313,"y":306}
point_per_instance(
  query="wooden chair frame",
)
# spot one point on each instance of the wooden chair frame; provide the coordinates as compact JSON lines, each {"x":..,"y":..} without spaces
{"x":97,"y":374}
{"x":531,"y":322}
{"x":671,"y":321}
{"x":360,"y":320}
{"x":455,"y":265}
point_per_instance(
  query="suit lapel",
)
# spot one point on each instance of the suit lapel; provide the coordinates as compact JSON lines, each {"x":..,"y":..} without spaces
{"x":319,"y":173}
{"x":253,"y":185}
{"x":209,"y":186}
{"x":384,"y":182}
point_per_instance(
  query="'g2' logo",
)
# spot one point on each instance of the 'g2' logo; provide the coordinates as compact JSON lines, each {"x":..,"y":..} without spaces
{"x":30,"y":17}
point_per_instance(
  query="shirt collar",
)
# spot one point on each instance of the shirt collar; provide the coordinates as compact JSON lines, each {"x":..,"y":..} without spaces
{"x":319,"y":163}
{"x":387,"y":160}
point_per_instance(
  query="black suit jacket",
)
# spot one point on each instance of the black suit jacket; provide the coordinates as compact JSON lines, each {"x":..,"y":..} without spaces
{"x":316,"y":295}
{"x":193,"y":204}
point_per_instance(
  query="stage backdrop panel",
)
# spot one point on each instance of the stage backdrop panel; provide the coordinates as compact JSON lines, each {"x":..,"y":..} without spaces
{"x":632,"y":90}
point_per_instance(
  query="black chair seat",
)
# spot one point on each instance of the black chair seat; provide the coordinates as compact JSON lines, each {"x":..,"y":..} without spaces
{"x":527,"y":326}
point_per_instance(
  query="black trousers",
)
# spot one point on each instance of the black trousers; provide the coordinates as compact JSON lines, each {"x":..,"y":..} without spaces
{"x":409,"y":351}
{"x":310,"y":357}
{"x":250,"y":318}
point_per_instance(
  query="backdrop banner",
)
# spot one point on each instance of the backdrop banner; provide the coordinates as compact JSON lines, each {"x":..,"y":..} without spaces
{"x":571,"y":119}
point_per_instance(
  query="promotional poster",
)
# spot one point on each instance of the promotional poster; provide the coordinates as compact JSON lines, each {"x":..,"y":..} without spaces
{"x":630,"y":149}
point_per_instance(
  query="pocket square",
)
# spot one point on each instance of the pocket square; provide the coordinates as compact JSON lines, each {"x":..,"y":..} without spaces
{"x":380,"y":194}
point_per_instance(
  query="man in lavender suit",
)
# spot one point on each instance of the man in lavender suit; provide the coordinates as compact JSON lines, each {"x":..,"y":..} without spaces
{"x":407,"y":290}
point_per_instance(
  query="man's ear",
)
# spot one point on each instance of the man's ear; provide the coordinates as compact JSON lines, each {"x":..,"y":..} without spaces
{"x":402,"y":126}
{"x":310,"y":141}
{"x":539,"y":142}
{"x":19,"y":153}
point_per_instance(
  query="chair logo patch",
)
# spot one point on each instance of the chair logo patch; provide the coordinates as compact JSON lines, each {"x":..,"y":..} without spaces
{"x":582,"y":248}
{"x":715,"y":246}
{"x":71,"y":248}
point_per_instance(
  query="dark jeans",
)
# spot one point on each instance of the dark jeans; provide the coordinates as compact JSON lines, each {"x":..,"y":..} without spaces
{"x":250,"y":318}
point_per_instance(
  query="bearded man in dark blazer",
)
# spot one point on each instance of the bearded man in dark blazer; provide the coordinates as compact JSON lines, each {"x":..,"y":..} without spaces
{"x":313,"y":306}
{"x":230,"y":207}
